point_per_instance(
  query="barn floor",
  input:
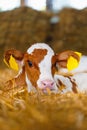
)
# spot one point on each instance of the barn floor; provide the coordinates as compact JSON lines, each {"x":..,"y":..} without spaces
{"x":25,"y":111}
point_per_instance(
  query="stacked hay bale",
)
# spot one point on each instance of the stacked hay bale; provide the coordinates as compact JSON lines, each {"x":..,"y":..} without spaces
{"x":71,"y":30}
{"x":23,"y":26}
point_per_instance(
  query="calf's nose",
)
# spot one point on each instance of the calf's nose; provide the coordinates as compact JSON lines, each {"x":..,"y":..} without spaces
{"x":48,"y":83}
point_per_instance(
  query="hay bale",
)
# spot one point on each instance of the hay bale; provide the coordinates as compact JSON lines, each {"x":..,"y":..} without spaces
{"x":71,"y":30}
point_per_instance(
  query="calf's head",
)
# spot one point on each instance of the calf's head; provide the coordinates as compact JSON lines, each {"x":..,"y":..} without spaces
{"x":39,"y":64}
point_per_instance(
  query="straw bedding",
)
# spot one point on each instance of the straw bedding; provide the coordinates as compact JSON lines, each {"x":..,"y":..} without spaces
{"x":23,"y":111}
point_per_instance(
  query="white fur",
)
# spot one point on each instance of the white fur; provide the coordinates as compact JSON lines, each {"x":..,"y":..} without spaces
{"x":81,"y":81}
{"x":30,"y":87}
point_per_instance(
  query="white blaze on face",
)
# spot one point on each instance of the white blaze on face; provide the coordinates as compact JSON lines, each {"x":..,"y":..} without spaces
{"x":45,"y":66}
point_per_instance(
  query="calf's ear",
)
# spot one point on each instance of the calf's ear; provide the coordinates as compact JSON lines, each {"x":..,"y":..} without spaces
{"x":68,"y":59}
{"x":13,"y":59}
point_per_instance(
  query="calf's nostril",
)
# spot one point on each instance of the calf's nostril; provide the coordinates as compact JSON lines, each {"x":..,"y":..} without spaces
{"x":52,"y":83}
{"x":44,"y":84}
{"x":48,"y":83}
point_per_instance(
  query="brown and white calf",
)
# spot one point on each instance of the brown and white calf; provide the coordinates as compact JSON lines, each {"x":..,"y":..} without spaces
{"x":41,"y":68}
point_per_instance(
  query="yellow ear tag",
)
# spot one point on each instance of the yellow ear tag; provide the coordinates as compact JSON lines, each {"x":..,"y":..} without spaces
{"x":13,"y":64}
{"x":5,"y":62}
{"x":72,"y":62}
{"x":79,"y":54}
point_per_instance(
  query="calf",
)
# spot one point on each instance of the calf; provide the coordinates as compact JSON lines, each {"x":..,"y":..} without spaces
{"x":41,"y":68}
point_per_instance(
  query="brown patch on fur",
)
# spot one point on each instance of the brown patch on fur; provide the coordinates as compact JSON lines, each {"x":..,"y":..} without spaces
{"x":54,"y":68}
{"x":35,"y":58}
{"x":74,"y":85}
{"x":61,"y":85}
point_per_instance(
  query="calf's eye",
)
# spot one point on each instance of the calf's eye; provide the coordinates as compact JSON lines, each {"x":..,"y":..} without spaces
{"x":30,"y":63}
